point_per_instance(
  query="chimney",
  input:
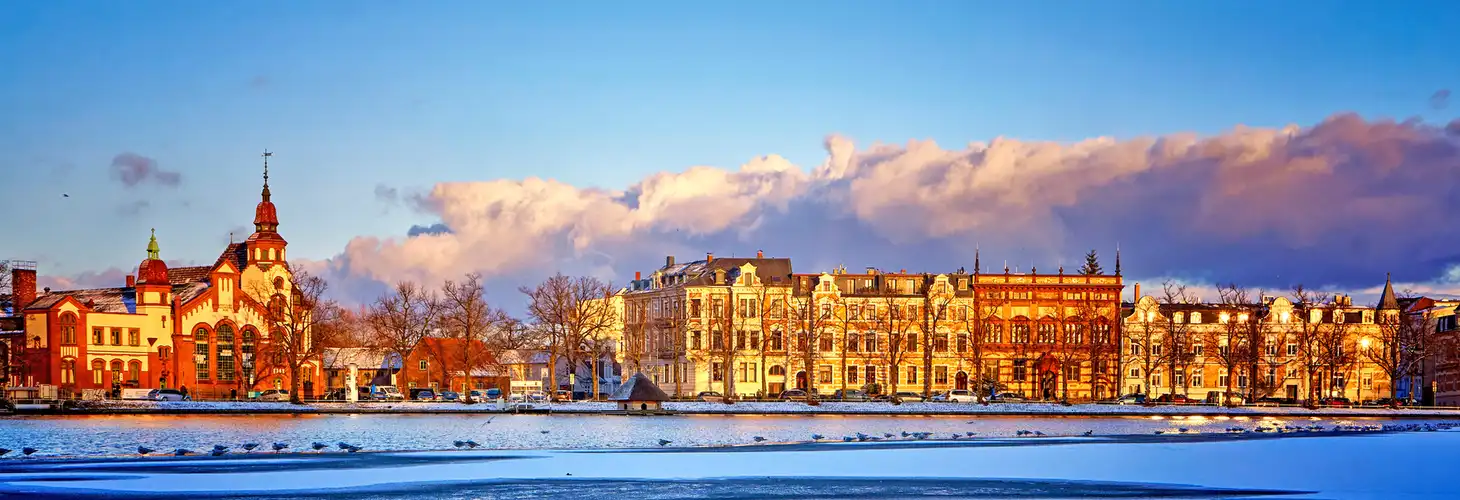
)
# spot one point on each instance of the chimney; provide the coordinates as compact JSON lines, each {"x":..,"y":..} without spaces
{"x":760,"y":254}
{"x":638,"y":276}
{"x":902,"y":271}
{"x":872,"y":271}
{"x":131,"y":281}
{"x":669,"y":261}
{"x":709,"y":257}
{"x":1138,"y":292}
{"x":22,"y":286}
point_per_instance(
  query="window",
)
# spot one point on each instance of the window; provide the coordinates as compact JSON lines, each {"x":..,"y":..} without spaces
{"x":743,"y":373}
{"x":1270,"y":348}
{"x":1196,"y":379}
{"x":695,"y":340}
{"x":134,"y":372}
{"x":993,"y":333}
{"x":716,"y":372}
{"x":1135,"y":372}
{"x":778,"y":370}
{"x":68,"y":332}
{"x":694,"y":308}
{"x":871,"y":374}
{"x":134,"y":337}
{"x":117,"y":370}
{"x":68,"y":370}
{"x":97,"y":367}
{"x":1242,"y":379}
{"x":1019,"y":370}
{"x":1198,"y":350}
{"x":1292,"y":349}
{"x":826,"y":311}
{"x":824,"y":374}
{"x":96,"y":334}
{"x":963,"y":342}
{"x":1156,"y":380}
{"x":870,"y":342}
{"x":717,"y":308}
{"x":940,"y":374}
{"x":1223,"y":378}
{"x":1179,"y":317}
{"x":1271,"y":377}
{"x":825,"y":344}
{"x":1020,"y":333}
{"x":777,"y":341}
{"x":852,"y":371}
{"x":1074,"y":333}
{"x":248,"y":352}
{"x":740,"y":340}
{"x":1156,"y":350}
{"x":1196,"y":317}
{"x":423,"y":365}
{"x":225,"y":352}
{"x":200,"y":348}
{"x":912,"y":375}
{"x":940,"y":343}
{"x":748,"y":308}
{"x":717,"y":341}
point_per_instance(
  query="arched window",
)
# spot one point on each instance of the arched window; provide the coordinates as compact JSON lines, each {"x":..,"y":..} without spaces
{"x":117,"y":370}
{"x":68,"y":371}
{"x":247,"y":348}
{"x":134,"y":371}
{"x":200,"y":349}
{"x":778,"y":370}
{"x":68,"y":330}
{"x":224,"y":337}
{"x":97,"y":367}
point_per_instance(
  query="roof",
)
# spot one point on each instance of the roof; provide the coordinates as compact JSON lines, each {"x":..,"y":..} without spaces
{"x":639,"y":388}
{"x":363,"y":357}
{"x":773,"y":271}
{"x":184,"y":275}
{"x":1387,"y":301}
{"x":109,"y":300}
{"x":524,"y":357}
{"x":235,"y":253}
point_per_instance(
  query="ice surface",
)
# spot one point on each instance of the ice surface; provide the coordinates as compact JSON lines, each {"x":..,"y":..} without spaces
{"x":1328,"y":466}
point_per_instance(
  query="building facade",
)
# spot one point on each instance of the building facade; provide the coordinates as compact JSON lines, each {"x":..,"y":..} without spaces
{"x":204,"y":328}
{"x":751,"y":326}
{"x":1265,"y":347}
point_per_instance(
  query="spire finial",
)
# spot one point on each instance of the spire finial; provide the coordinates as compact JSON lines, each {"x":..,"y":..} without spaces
{"x":977,"y":267}
{"x":266,"y":156}
{"x":1117,"y":258}
{"x":152,"y":250}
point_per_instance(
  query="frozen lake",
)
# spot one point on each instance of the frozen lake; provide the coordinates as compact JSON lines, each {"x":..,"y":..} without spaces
{"x":121,"y":435}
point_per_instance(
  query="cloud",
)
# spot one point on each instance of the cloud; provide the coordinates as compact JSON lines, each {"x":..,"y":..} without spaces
{"x":437,"y":228}
{"x":1440,"y":99}
{"x":134,"y":169}
{"x":112,"y":277}
{"x":133,"y":208}
{"x":386,"y":194}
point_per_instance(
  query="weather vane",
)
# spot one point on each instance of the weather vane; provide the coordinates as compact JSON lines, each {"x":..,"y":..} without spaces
{"x":266,"y":155}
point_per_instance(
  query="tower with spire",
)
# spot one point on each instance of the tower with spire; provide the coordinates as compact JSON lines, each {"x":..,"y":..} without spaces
{"x":153,"y":286}
{"x":265,"y":247}
{"x":1388,"y":308}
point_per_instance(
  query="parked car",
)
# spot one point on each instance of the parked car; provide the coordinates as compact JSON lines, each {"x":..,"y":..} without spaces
{"x":386,"y":393}
{"x":1389,"y":402}
{"x":956,"y":396}
{"x":537,"y":396}
{"x":423,"y":394}
{"x":793,"y":395}
{"x":1229,"y":399}
{"x":273,"y":395}
{"x":1008,"y":397}
{"x":449,"y":396}
{"x":909,"y":397}
{"x":492,"y":393}
{"x":1336,"y":402}
{"x":711,"y":397}
{"x":1177,"y":399}
{"x":167,"y":395}
{"x":1131,"y":399}
{"x":852,"y":395}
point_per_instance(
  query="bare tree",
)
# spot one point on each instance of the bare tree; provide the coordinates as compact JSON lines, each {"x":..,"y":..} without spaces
{"x":636,"y":333}
{"x":1146,"y":344}
{"x":1403,"y":342}
{"x":814,"y":320}
{"x":401,"y":318}
{"x":574,"y":314}
{"x":1337,"y":349}
{"x":301,"y":323}
{"x":770,"y":300}
{"x":1104,"y":350}
{"x":1231,"y":338}
{"x":1308,"y":336}
{"x":466,"y":317}
{"x":1177,"y":342}
{"x":979,"y":329}
{"x":672,"y":329}
{"x":892,"y":319}
{"x":936,"y":302}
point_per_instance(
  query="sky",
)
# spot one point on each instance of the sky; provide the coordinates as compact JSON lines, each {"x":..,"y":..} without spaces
{"x":1265,"y":145}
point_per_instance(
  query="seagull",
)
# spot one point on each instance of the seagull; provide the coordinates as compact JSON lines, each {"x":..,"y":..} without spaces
{"x":353,"y":448}
{"x":28,"y":451}
{"x":1090,"y":433}
{"x":458,"y":444}
{"x":343,"y":445}
{"x":319,"y":446}
{"x":250,"y":446}
{"x":817,"y":437}
{"x":887,"y":435}
{"x":1182,"y":430}
{"x":663,"y":442}
{"x":4,"y":451}
{"x":218,"y":452}
{"x":141,"y":450}
{"x":544,"y":432}
{"x":758,"y":439}
{"x":848,"y":439}
{"x":489,"y":420}
{"x":181,"y":452}
{"x":471,"y":444}
{"x":64,"y":195}
{"x":219,"y":447}
{"x":280,"y":446}
{"x":1160,"y":432}
{"x":970,"y":434}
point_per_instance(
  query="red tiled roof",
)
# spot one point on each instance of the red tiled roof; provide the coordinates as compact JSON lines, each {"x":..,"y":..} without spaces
{"x":184,"y":275}
{"x":236,"y":254}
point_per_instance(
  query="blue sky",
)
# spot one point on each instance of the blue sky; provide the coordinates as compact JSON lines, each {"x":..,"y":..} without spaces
{"x":352,"y":95}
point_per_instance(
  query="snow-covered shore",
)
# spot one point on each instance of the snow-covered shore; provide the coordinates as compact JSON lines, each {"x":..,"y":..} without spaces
{"x":753,"y":408}
{"x":1338,"y":466}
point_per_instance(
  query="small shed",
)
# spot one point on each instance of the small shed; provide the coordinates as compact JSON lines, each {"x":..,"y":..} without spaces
{"x":639,"y":394}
